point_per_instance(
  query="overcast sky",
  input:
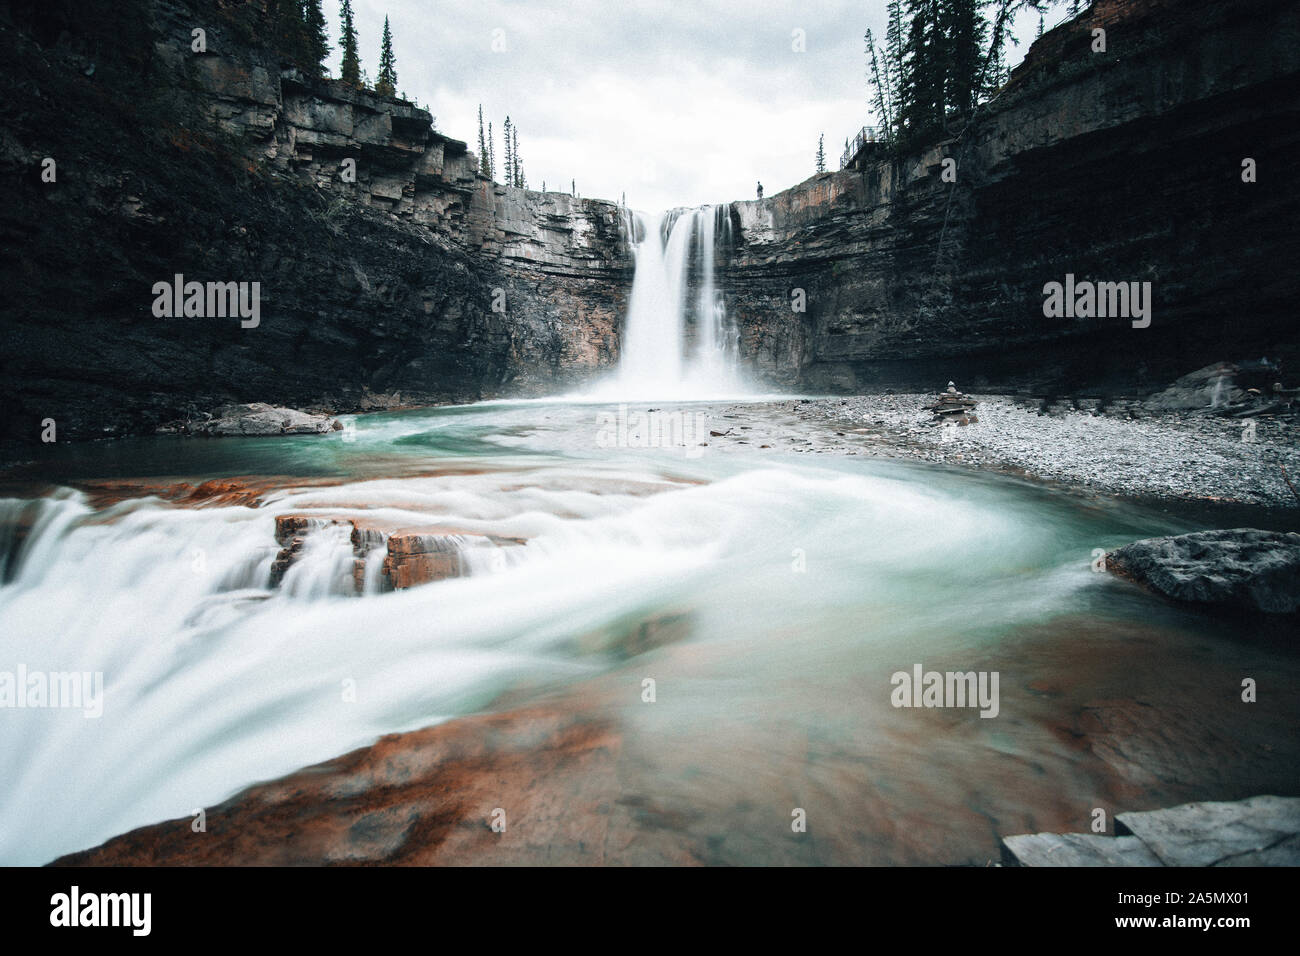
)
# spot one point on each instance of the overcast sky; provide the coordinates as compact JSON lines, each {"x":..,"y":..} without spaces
{"x":675,"y":103}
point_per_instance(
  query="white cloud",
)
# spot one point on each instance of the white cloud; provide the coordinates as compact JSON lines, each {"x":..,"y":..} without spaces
{"x":675,"y":103}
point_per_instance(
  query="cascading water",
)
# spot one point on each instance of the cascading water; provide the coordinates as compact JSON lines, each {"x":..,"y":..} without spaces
{"x":624,"y":565}
{"x":676,"y":345}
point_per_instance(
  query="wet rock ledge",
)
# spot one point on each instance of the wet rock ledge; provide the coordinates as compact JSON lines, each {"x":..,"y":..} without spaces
{"x":1240,"y":568}
{"x":1260,"y":831}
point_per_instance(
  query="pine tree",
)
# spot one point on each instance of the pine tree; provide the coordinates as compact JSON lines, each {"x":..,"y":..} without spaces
{"x":350,"y":68}
{"x":921,"y":95}
{"x":894,"y":43}
{"x":315,"y":38}
{"x":963,"y":31}
{"x":386,"y":82}
{"x":514,"y":157}
{"x":821,"y":153}
{"x":492,"y":155}
{"x":482,"y":145}
{"x":879,"y":81}
{"x":508,"y":168}
{"x":287,"y":28}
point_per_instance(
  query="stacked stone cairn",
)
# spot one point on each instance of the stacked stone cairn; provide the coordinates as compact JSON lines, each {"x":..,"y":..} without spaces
{"x":952,"y":406}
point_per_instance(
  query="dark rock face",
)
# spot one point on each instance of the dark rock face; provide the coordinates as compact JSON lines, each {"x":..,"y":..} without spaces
{"x":1243,"y":567}
{"x":418,"y":282}
{"x":1116,"y":166}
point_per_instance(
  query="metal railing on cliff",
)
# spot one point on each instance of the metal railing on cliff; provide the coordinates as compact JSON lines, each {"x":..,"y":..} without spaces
{"x":868,"y":134}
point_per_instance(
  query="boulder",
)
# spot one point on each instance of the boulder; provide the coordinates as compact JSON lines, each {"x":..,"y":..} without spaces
{"x":1211,"y":387}
{"x":262,"y":419}
{"x":1241,"y":568}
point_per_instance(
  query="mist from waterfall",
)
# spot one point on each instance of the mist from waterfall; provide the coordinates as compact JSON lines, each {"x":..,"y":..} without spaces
{"x":676,"y":345}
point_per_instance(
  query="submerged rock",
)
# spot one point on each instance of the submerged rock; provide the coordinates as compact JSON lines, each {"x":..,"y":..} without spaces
{"x":1241,"y":567}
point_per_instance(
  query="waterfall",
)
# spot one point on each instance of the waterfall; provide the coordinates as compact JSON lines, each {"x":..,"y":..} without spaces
{"x":675,"y":345}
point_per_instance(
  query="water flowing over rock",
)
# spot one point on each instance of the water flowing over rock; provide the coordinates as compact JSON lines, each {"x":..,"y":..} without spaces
{"x":1243,"y":567}
{"x":324,"y":554}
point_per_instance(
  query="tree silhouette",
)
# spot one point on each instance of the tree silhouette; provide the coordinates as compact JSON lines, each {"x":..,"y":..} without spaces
{"x":482,"y":146}
{"x":508,"y":168}
{"x":350,"y":68}
{"x":386,"y":82}
{"x":315,"y":38}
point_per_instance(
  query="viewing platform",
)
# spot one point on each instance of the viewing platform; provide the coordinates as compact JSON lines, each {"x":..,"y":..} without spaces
{"x":865,"y":147}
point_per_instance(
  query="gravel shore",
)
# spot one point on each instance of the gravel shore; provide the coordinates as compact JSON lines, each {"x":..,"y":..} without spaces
{"x":1121,"y":450}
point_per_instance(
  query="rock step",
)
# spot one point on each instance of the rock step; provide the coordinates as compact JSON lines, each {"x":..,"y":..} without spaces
{"x":413,"y":556}
{"x":1259,"y":831}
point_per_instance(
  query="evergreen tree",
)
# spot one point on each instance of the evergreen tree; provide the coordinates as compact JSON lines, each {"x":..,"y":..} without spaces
{"x":508,"y":168}
{"x":287,"y":28}
{"x":492,"y":155}
{"x":894,"y":51}
{"x":922,"y":91}
{"x":1040,"y":26}
{"x":386,"y":82}
{"x":350,"y":68}
{"x":879,"y":81}
{"x":482,"y":145}
{"x":514,"y":158}
{"x":315,"y":38}
{"x":821,"y":153}
{"x":963,"y":29}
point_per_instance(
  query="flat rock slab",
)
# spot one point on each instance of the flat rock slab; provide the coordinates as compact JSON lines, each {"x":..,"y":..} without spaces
{"x":1077,"y":849}
{"x":1211,"y":834}
{"x":262,"y":419}
{"x":1260,"y":831}
{"x":1241,"y":567}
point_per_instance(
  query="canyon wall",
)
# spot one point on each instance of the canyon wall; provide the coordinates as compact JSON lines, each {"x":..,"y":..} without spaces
{"x":391,"y":272}
{"x":1117,"y":166}
{"x":418,"y":280}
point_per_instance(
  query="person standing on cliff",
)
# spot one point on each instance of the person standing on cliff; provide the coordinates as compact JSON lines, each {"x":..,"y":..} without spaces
{"x":760,"y":192}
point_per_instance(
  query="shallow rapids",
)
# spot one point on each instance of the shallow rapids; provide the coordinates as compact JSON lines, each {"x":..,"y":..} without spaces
{"x":778,"y":593}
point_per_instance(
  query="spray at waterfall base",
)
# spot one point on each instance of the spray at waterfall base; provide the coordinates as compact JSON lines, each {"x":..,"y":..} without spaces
{"x":653,"y":428}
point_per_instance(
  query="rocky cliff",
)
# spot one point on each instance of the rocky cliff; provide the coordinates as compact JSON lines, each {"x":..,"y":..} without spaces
{"x":390,"y":272}
{"x":1116,"y":166}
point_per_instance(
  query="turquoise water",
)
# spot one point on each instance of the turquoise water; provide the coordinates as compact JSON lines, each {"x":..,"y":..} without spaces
{"x":770,"y":597}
